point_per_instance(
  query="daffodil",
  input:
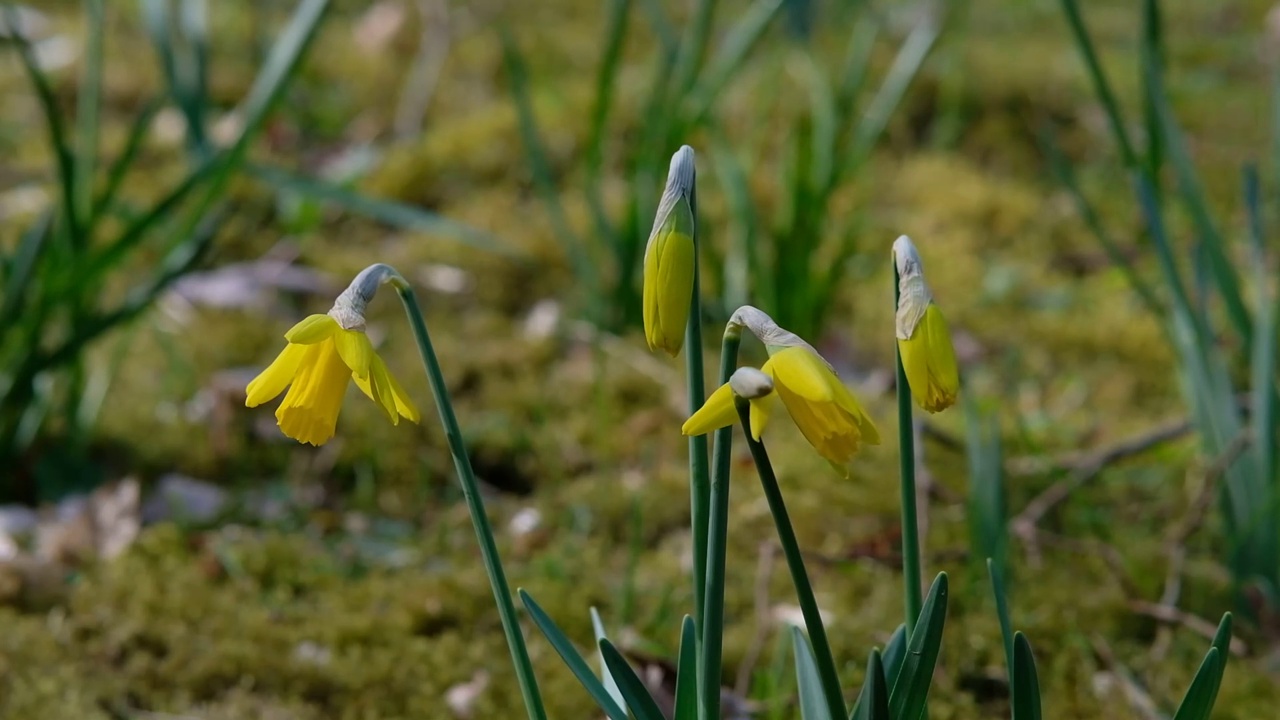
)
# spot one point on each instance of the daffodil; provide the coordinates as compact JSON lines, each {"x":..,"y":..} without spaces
{"x":670,"y":259}
{"x":924,"y":342}
{"x":324,"y":353}
{"x":825,"y":411}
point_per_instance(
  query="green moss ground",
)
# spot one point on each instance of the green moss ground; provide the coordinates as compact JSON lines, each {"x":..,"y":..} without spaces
{"x":311,"y":619}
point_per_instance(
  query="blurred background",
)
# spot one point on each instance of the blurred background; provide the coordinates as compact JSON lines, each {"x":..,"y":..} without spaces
{"x":1091,"y":187}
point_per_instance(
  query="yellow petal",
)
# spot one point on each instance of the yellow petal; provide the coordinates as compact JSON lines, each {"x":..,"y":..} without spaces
{"x":276,"y":377}
{"x":355,"y":349}
{"x":668,"y":290}
{"x":404,"y":405}
{"x":717,"y":412}
{"x":914,"y":354}
{"x":802,"y":372}
{"x":866,"y":428}
{"x":310,"y":409}
{"x":944,"y":375}
{"x":312,"y":329}
{"x":761,"y":409}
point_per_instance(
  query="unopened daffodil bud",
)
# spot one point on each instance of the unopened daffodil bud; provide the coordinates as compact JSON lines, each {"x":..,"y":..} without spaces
{"x":670,"y":259}
{"x":924,"y":342}
{"x":824,"y":410}
{"x":324,"y":353}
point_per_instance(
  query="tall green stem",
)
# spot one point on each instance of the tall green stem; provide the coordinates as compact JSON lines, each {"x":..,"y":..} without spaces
{"x":795,"y":563}
{"x":712,"y":612}
{"x":907,"y":482}
{"x":699,"y":474}
{"x":471,"y":491}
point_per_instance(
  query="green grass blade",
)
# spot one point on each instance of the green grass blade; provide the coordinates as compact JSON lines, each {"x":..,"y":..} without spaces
{"x":606,"y":677}
{"x":642,"y":704}
{"x":63,"y":156}
{"x":873,"y":701}
{"x":988,"y":537}
{"x":1002,"y":612}
{"x":88,"y":106}
{"x":1192,"y":192}
{"x":21,"y":270}
{"x":693,"y":47}
{"x":1221,"y":643}
{"x":1026,"y":685}
{"x":742,"y":261}
{"x":1062,"y":170}
{"x":895,"y":653}
{"x":1084,"y":43}
{"x":615,"y":35}
{"x":813,"y":702}
{"x":193,"y":22}
{"x":1197,"y":704}
{"x":1263,"y":399}
{"x":687,"y":673}
{"x":906,"y":64}
{"x":730,"y":56}
{"x":572,"y":658}
{"x":911,"y":690}
{"x":1152,"y":50}
{"x":119,"y":169}
{"x":857,"y":63}
{"x":396,"y":214}
{"x":1164,"y":252}
{"x":661,"y":26}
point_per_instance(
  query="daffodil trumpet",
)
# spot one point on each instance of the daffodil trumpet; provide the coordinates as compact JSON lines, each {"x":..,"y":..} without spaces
{"x":323,"y":354}
{"x":825,"y":411}
{"x":670,"y":259}
{"x":924,"y":342}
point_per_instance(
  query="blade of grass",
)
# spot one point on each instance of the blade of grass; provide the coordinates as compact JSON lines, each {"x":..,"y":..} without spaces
{"x":895,"y":652}
{"x":813,"y":705}
{"x":686,"y":706}
{"x":987,"y":517}
{"x":1002,"y":612}
{"x":906,"y":64}
{"x":873,"y":700}
{"x":729,"y":57}
{"x":615,"y":34}
{"x":1152,"y":50}
{"x":396,"y":214}
{"x":1084,"y":43}
{"x":22,"y":270}
{"x":1197,"y":704}
{"x":661,"y":26}
{"x":88,"y":104}
{"x":642,"y":704}
{"x":911,"y":690}
{"x":120,"y":167}
{"x":1222,"y":643}
{"x":1192,"y":192}
{"x":572,"y":658}
{"x":64,"y":159}
{"x":1026,"y":685}
{"x":606,"y":677}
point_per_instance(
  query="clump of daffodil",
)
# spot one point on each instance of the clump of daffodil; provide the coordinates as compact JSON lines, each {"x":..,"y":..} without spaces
{"x":828,"y":415}
{"x":924,"y":343}
{"x":670,"y":259}
{"x":324,"y":353}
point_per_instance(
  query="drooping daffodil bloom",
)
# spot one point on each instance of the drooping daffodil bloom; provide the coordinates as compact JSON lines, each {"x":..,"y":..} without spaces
{"x":670,"y":259}
{"x":825,"y":411}
{"x":324,"y":353}
{"x":720,"y":409}
{"x":924,"y":342}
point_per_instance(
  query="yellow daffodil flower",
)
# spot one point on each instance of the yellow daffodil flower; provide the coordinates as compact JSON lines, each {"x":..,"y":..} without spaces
{"x":924,"y":342}
{"x":720,"y":411}
{"x":820,"y":405}
{"x":670,"y":260}
{"x":321,"y":358}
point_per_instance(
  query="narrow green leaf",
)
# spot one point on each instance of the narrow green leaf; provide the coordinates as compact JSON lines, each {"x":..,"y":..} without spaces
{"x":873,"y":701}
{"x":1193,"y":195}
{"x":1222,"y":643}
{"x":120,"y":167}
{"x":21,"y":271}
{"x":906,"y":64}
{"x":661,"y":26}
{"x":615,"y":35}
{"x":1197,"y":704}
{"x":988,"y":536}
{"x":606,"y":677}
{"x":1263,"y":396}
{"x":854,"y":69}
{"x":396,"y":214}
{"x":1152,"y":52}
{"x":88,"y":104}
{"x":911,"y":690}
{"x":732,"y":53}
{"x":687,"y":673}
{"x":642,"y":704}
{"x":813,"y":701}
{"x":895,"y":652}
{"x":575,"y":662}
{"x":62,"y":153}
{"x":1026,"y":685}
{"x":1002,"y":612}
{"x":1084,"y":43}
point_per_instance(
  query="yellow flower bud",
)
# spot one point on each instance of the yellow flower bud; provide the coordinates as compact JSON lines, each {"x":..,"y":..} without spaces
{"x":670,"y":260}
{"x":924,"y":342}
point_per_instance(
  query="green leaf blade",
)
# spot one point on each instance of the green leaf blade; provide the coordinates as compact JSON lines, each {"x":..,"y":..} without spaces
{"x":572,"y":658}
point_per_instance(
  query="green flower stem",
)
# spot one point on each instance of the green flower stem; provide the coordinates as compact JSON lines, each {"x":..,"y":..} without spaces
{"x":907,"y":481}
{"x":712,"y":611}
{"x":470,"y":490}
{"x":795,"y":563}
{"x":699,"y":474}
